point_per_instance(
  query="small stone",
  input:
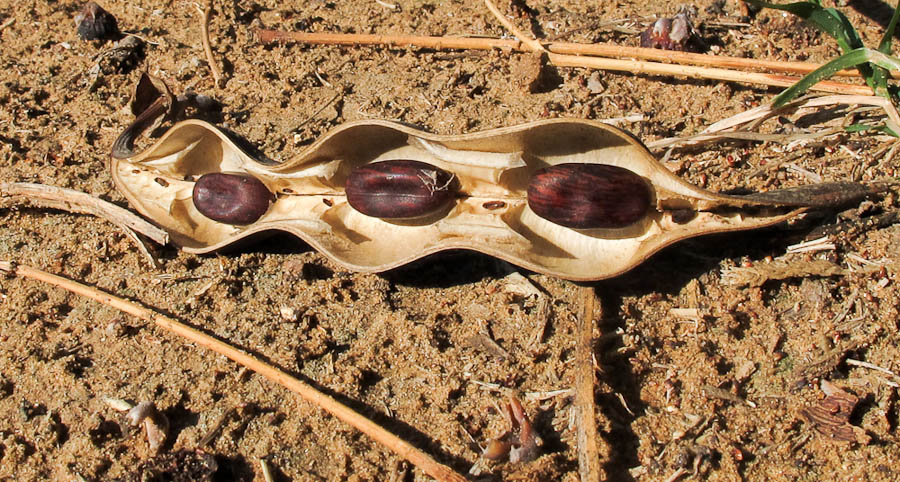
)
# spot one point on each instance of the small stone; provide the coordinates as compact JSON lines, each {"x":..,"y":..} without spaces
{"x":594,"y":84}
{"x":289,"y":313}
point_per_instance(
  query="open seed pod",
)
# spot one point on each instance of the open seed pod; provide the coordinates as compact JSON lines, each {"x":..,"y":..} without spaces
{"x":492,"y":176}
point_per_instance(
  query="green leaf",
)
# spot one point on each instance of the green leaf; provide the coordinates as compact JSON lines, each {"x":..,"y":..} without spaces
{"x":885,"y":45}
{"x":883,"y":128}
{"x":848,"y":60}
{"x":828,"y":20}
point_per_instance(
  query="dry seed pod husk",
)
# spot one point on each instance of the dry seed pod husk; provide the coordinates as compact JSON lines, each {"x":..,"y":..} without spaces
{"x":493,"y":169}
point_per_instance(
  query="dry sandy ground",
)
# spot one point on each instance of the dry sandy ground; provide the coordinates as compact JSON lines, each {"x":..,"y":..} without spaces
{"x":719,"y":395}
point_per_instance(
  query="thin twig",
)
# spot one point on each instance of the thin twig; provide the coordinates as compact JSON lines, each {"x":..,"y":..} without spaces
{"x":725,"y":128}
{"x":532,"y":44}
{"x":870,"y":366}
{"x":204,"y":37}
{"x":7,"y":23}
{"x":561,"y":55}
{"x":81,"y":202}
{"x":570,"y":48}
{"x":304,"y":390}
{"x":588,"y":455}
{"x":655,"y":68}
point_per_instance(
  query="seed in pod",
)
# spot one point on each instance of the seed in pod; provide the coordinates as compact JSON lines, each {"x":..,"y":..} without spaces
{"x":588,"y":196}
{"x":231,"y":198}
{"x":400,"y":189}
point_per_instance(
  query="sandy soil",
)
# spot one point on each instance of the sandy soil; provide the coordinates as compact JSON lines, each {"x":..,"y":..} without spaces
{"x":719,"y":396}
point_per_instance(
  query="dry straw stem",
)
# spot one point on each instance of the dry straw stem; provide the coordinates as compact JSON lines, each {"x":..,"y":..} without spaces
{"x":569,"y":48}
{"x":79,"y":202}
{"x":595,"y":56}
{"x":655,"y":68}
{"x":588,"y":455}
{"x":204,"y":37}
{"x":344,"y":413}
{"x":753,"y":118}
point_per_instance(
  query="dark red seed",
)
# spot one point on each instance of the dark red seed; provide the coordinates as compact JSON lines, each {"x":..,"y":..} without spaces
{"x":588,"y":196}
{"x":231,"y":198}
{"x":400,"y":189}
{"x":492,"y":205}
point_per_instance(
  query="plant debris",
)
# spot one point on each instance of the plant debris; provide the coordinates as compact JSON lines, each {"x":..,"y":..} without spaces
{"x":95,"y":23}
{"x":518,"y":444}
{"x":779,"y":269}
{"x":831,"y":416}
{"x":676,"y":33}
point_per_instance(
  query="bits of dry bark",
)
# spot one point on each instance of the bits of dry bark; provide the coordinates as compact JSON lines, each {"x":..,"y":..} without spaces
{"x":518,"y":444}
{"x":831,"y":415}
{"x":779,"y":269}
{"x":95,"y":23}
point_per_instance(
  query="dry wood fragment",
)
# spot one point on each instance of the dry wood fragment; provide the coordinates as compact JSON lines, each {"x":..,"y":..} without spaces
{"x":722,"y":394}
{"x":307,"y":392}
{"x":79,"y":202}
{"x":831,"y":416}
{"x":588,"y":454}
{"x":780,"y":269}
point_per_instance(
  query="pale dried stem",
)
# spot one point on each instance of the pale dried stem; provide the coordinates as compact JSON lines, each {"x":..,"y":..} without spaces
{"x":80,"y":202}
{"x":344,"y":413}
{"x":871,"y":366}
{"x":532,"y":44}
{"x":207,"y":48}
{"x":594,"y":56}
{"x":588,"y":454}
{"x":655,"y":68}
{"x":570,"y":48}
{"x":759,"y":114}
{"x":753,"y":118}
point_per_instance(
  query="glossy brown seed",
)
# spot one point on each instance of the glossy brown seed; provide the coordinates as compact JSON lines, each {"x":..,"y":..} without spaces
{"x":231,"y":198}
{"x":400,"y":189}
{"x":588,"y":196}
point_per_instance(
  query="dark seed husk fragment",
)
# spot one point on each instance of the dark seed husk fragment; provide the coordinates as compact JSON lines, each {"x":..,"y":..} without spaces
{"x":400,"y":189}
{"x":231,"y":198}
{"x":589,"y":196}
{"x":96,"y":23}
